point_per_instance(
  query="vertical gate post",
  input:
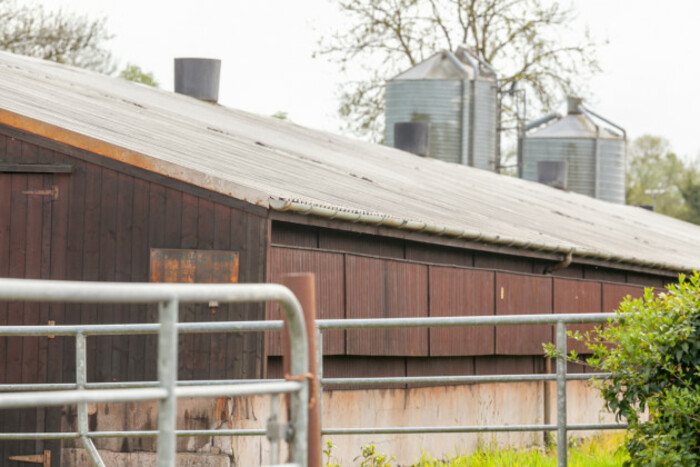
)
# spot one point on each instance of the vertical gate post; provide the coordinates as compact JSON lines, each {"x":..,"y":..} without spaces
{"x":81,"y":380}
{"x":303,"y":285}
{"x":319,"y":377}
{"x":561,"y":395}
{"x":167,"y":378}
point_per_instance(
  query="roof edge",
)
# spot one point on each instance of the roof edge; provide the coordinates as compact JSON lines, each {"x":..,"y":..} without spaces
{"x":133,"y":158}
{"x":280,"y":204}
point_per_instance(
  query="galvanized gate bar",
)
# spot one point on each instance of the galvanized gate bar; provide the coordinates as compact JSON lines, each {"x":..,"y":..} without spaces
{"x":457,"y":379}
{"x":167,"y":375}
{"x":449,"y":321}
{"x":139,"y":329}
{"x":36,"y":290}
{"x":325,"y":381}
{"x":56,"y":398}
{"x":240,"y":389}
{"x":81,"y":379}
{"x":467,"y":429}
{"x":323,"y":324}
{"x":128,"y":384}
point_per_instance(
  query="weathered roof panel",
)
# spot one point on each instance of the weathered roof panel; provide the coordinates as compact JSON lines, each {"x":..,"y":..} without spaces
{"x":270,"y":162}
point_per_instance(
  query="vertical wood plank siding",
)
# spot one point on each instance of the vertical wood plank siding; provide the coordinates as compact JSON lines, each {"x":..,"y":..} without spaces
{"x":613,"y":294}
{"x":105,"y":221}
{"x":522,"y":295}
{"x":452,"y":290}
{"x":330,"y":291}
{"x":378,"y":288}
{"x":101,"y":227}
{"x":574,"y":296}
{"x":461,"y":292}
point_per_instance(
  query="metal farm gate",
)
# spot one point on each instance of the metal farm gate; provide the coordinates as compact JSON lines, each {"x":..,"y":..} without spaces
{"x":168,"y":389}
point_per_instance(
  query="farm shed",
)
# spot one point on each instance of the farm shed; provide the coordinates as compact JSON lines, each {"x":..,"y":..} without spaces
{"x":103,"y":179}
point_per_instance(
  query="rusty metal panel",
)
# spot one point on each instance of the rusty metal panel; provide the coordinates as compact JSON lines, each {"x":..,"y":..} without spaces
{"x":285,"y":233}
{"x":330,"y":291}
{"x":436,"y":254}
{"x":461,"y":292}
{"x":504,"y":365}
{"x":378,"y":288}
{"x":613,"y":294}
{"x":522,"y":295}
{"x":193,"y":266}
{"x":572,"y":296}
{"x":354,"y":242}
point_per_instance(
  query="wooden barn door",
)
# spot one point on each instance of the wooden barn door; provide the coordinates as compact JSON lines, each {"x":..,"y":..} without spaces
{"x":32,"y":219}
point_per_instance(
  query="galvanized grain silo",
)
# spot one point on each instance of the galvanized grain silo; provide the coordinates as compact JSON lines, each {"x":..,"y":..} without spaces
{"x":593,"y":153}
{"x":457,"y":96}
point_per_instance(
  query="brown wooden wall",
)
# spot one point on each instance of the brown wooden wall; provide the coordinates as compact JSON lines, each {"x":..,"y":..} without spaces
{"x":308,"y":236}
{"x":352,"y":286}
{"x":101,"y":227}
{"x":367,"y":284}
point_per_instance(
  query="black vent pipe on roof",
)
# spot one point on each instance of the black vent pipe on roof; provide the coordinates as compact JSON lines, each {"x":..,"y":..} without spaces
{"x":198,"y":78}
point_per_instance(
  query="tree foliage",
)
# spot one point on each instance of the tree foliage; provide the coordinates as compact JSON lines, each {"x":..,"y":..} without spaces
{"x":656,"y":176}
{"x":525,"y":40}
{"x":30,"y":29}
{"x":134,"y":73}
{"x":653,"y":354}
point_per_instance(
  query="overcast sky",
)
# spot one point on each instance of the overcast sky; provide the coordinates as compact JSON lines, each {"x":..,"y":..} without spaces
{"x":647,"y":84}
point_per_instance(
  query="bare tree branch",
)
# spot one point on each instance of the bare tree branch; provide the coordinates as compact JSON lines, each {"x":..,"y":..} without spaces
{"x":75,"y":40}
{"x":525,"y":40}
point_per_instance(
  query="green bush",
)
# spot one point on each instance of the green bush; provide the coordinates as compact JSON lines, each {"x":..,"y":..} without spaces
{"x":652,"y":349}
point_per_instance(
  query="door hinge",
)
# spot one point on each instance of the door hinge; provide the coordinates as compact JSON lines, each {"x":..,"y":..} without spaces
{"x":52,"y":192}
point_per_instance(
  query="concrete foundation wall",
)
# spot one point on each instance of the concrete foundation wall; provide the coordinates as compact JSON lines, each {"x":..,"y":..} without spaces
{"x":477,"y":404}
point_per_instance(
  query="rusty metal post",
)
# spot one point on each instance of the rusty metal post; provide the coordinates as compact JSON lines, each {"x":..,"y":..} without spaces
{"x":303,"y":285}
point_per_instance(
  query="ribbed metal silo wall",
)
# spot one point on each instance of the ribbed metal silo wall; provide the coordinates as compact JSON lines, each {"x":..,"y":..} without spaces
{"x":437,"y":102}
{"x":485,"y":122}
{"x":611,"y":183}
{"x":578,"y":153}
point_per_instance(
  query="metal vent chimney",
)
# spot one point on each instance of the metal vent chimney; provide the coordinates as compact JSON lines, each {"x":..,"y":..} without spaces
{"x":573,"y":104}
{"x":412,"y":137}
{"x":198,"y":78}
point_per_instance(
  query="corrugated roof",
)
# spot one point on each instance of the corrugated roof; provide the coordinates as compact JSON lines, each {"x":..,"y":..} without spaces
{"x":572,"y":126}
{"x":281,"y":165}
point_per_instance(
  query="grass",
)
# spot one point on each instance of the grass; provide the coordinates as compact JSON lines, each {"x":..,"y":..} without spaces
{"x":600,"y":451}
